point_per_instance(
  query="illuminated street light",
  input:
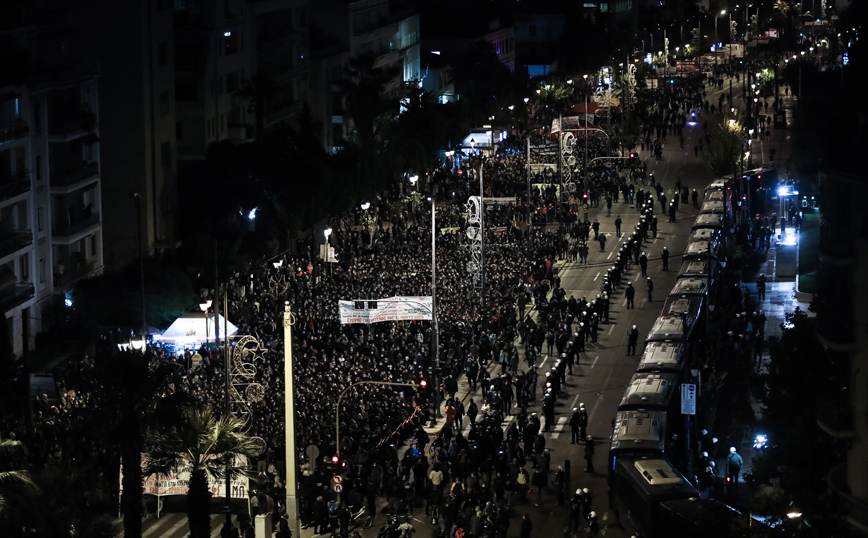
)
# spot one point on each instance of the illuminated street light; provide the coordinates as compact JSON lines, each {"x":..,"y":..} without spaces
{"x":365,"y":206}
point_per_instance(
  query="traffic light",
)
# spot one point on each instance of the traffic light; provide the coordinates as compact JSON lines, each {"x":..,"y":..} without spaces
{"x":338,"y":465}
{"x":423,"y":384}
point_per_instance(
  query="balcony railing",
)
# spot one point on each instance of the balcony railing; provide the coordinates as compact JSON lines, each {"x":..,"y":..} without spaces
{"x":835,"y":307}
{"x":15,"y":295}
{"x":13,"y":188}
{"x":71,"y":275}
{"x":15,"y":241}
{"x":75,"y":226}
{"x":64,"y":179}
{"x":11,"y":132}
{"x":86,"y":121}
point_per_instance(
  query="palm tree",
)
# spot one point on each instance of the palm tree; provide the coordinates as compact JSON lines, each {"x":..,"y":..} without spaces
{"x":208,"y":445}
{"x":63,"y":498}
{"x":12,"y":456}
{"x":125,"y":392}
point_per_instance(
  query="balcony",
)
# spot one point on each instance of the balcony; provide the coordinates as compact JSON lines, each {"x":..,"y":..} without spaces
{"x":15,"y":241}
{"x":835,"y":308}
{"x":13,"y":296}
{"x":71,"y":275}
{"x":71,"y":126}
{"x":10,"y":189}
{"x":75,"y":226}
{"x":9,"y":133}
{"x":856,"y":510}
{"x":64,"y":182}
{"x":836,"y":244}
{"x":836,"y":418}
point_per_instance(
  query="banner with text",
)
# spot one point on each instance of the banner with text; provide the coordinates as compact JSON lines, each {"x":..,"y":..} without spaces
{"x":177,"y":483}
{"x":391,"y":309}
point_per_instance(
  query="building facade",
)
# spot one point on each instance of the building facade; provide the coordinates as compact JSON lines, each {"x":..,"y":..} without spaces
{"x":51,"y":231}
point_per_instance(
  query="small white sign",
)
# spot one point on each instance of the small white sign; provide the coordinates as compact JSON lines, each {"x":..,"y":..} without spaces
{"x":688,"y":399}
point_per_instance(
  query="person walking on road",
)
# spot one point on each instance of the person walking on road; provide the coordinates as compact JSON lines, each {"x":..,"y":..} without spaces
{"x":649,"y":284}
{"x":589,"y":455}
{"x":526,"y":526}
{"x":733,"y":466}
{"x":602,"y":240}
{"x":618,"y":222}
{"x":630,"y":294}
{"x":574,"y":426}
{"x":643,"y":264}
{"x":664,"y":256}
{"x":583,"y":422}
{"x":633,"y":339}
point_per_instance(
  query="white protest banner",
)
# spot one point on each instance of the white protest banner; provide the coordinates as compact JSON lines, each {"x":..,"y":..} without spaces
{"x":408,"y":308}
{"x":177,"y":483}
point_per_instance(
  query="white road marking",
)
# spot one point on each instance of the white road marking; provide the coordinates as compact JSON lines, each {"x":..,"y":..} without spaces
{"x":559,"y":427}
{"x":170,"y":531}
{"x":597,"y":276}
{"x":612,"y":328}
{"x":595,"y":361}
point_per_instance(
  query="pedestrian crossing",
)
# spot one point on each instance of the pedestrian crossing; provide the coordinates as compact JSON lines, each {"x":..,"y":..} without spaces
{"x":173,"y":525}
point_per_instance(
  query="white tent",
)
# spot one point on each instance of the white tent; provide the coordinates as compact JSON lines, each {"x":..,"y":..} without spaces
{"x":195,"y":327}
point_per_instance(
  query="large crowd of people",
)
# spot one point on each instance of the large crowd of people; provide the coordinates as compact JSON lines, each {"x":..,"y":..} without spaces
{"x":463,"y":481}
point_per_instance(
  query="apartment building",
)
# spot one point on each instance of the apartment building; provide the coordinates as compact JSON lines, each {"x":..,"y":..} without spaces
{"x":51,"y":231}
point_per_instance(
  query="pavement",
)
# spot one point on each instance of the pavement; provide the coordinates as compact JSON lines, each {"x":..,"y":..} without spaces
{"x":604,"y":369}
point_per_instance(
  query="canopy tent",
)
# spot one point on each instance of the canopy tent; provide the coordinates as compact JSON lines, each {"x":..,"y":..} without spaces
{"x":195,"y":327}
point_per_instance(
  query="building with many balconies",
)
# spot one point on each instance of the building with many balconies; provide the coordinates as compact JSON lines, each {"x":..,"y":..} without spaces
{"x":842,"y":317}
{"x":50,"y":175}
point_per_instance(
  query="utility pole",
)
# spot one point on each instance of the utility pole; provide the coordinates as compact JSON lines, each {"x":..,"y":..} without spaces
{"x":144,"y":328}
{"x":436,"y":330}
{"x":289,"y":423}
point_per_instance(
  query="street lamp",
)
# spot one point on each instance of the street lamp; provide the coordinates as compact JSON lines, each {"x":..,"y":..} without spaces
{"x":204,"y":308}
{"x":365,"y":206}
{"x":138,"y":198}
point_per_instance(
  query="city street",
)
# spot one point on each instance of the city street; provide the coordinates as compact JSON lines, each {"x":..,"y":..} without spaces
{"x":604,"y":369}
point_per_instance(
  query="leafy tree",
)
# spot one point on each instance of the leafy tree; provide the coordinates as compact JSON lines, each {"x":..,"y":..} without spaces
{"x":371,"y":103}
{"x":726,"y":153}
{"x":483,"y":84}
{"x":114,"y":299}
{"x":208,"y":444}
{"x":123,"y":391}
{"x":799,"y":454}
{"x":65,"y":498}
{"x":12,"y":474}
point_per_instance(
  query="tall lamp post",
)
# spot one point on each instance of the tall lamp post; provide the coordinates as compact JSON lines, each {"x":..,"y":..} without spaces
{"x":435,"y":337}
{"x":289,"y":423}
{"x":138,"y":198}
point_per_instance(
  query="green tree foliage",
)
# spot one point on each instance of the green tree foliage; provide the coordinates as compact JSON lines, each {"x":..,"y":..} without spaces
{"x":725,"y":155}
{"x":484,"y":85}
{"x":422,"y":129}
{"x":799,"y":454}
{"x":64,"y":499}
{"x":114,"y":299}
{"x":123,"y":391}
{"x":13,"y":456}
{"x":209,"y":445}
